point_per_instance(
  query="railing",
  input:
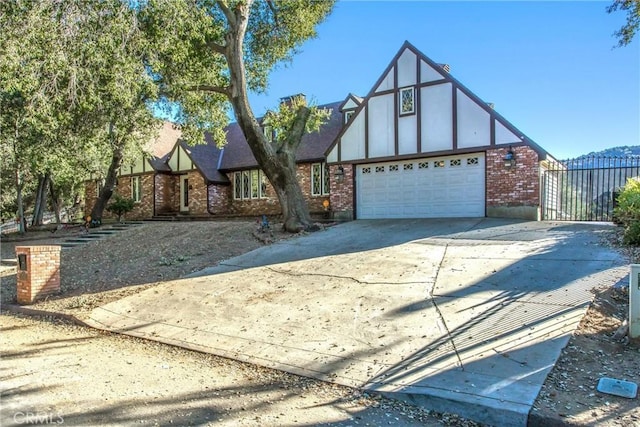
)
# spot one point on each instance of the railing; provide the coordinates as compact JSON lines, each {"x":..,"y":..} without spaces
{"x":586,"y":188}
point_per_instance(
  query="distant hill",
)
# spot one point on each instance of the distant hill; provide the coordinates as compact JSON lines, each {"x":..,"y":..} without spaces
{"x":624,"y":151}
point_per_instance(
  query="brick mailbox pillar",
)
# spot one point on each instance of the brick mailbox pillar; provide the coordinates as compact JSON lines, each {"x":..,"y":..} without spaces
{"x":38,"y":272}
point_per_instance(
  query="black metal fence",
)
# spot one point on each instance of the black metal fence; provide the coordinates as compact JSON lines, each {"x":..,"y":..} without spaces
{"x":585,"y":189}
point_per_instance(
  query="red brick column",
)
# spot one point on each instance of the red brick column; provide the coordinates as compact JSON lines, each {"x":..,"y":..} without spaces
{"x":38,"y":272}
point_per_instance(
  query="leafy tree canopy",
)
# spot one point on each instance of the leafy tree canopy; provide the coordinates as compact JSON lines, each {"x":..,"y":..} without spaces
{"x":626,"y":33}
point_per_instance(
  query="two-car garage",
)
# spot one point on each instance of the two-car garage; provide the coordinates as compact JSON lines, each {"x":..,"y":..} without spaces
{"x":452,"y":186}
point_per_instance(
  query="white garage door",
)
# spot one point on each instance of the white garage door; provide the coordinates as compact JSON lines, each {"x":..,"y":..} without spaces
{"x":436,"y":187}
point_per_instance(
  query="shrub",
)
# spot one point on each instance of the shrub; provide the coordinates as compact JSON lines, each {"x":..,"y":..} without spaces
{"x":627,"y":211}
{"x":120,"y":206}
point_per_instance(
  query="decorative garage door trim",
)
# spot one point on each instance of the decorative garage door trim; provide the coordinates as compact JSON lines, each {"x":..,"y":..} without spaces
{"x":435,"y":187}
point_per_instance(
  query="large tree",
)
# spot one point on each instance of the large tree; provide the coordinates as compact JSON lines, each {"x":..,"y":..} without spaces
{"x":73,"y":74}
{"x":626,"y":33}
{"x":212,"y":53}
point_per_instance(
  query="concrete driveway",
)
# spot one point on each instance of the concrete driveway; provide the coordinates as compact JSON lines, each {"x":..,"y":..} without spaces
{"x":463,"y":315}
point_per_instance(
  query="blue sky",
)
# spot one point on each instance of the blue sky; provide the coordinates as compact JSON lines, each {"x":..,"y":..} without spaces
{"x":549,"y":67}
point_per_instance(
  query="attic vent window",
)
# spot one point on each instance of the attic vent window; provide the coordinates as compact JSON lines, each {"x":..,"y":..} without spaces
{"x":347,"y":115}
{"x":407,"y":104}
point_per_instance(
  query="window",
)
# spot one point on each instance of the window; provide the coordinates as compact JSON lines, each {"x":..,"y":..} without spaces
{"x":136,"y":189}
{"x":407,"y":104}
{"x":472,"y":161}
{"x":438,"y":164}
{"x":366,"y":170}
{"x":423,"y":165}
{"x":393,"y":168}
{"x":455,"y":162}
{"x":319,"y":179}
{"x":408,"y":166}
{"x":379,"y":169}
{"x":249,"y":184}
{"x":347,"y":115}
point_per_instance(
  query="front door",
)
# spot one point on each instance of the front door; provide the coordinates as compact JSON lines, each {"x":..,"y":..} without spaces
{"x":184,"y":193}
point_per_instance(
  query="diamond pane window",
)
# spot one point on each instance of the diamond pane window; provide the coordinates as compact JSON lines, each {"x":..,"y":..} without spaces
{"x":254,"y":183}
{"x":438,"y":164}
{"x":423,"y":165}
{"x":246,"y":180}
{"x":319,"y":179}
{"x":455,"y":162}
{"x":472,"y":161}
{"x":379,"y":169}
{"x":237,"y":185}
{"x":407,"y":105}
{"x":393,"y":168}
{"x":263,"y":185}
{"x":408,"y":166}
{"x":326,"y":184}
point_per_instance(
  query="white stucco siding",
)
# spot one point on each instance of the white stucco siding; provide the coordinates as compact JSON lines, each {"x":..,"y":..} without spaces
{"x":349,"y":105}
{"x":407,"y":69}
{"x":504,"y":135}
{"x":381,"y":130}
{"x":407,"y":134}
{"x":180,"y":161}
{"x":428,"y":73}
{"x":387,"y":82}
{"x":436,"y":118}
{"x":138,"y":166}
{"x":352,"y":142}
{"x":474,"y":128}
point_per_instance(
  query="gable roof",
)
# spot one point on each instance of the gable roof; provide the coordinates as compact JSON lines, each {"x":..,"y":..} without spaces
{"x":237,"y":153}
{"x":437,"y":73}
{"x":162,"y":146}
{"x":206,"y":158}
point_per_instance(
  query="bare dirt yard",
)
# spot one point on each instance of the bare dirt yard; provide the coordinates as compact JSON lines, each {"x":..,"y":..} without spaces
{"x":142,"y":256}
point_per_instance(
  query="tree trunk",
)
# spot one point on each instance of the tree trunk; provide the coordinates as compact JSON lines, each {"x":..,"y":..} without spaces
{"x":110,"y":179}
{"x":41,"y":199}
{"x":280,"y":166}
{"x":56,"y":203}
{"x":22,"y":222}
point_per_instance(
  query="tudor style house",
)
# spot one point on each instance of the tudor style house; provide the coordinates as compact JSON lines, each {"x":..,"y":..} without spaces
{"x":419,"y":145}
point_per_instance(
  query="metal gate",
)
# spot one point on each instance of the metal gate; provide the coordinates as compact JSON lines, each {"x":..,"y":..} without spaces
{"x":585,"y":189}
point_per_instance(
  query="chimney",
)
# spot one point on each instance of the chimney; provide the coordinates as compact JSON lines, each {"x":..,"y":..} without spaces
{"x":445,"y":67}
{"x":288,"y":99}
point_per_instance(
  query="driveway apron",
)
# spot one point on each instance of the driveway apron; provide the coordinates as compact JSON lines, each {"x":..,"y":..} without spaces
{"x":459,"y":315}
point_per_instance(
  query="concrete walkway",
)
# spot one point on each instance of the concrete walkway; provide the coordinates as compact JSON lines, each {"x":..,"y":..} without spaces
{"x":465,"y":316}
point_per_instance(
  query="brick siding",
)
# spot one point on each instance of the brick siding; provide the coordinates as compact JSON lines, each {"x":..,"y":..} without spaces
{"x":342,"y":192}
{"x":514,"y":186}
{"x":41,"y":277}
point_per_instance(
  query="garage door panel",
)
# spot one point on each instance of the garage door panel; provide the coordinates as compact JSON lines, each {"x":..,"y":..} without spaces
{"x":451,"y":186}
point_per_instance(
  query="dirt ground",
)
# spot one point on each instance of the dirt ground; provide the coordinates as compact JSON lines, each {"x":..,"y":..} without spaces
{"x":138,"y":258}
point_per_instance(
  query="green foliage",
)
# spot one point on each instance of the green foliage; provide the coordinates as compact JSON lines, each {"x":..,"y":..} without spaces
{"x":628,"y":211}
{"x":283,"y":120}
{"x":120,"y":206}
{"x":626,"y":33}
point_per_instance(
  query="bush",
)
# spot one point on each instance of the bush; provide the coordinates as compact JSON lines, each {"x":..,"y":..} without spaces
{"x":627,"y":211}
{"x":120,"y":206}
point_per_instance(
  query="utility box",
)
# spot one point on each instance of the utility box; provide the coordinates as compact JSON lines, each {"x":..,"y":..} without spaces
{"x":634,"y":301}
{"x":38,"y":272}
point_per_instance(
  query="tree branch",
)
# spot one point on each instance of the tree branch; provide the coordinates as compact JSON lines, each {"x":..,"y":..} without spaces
{"x":228,"y":13}
{"x":217,"y":48}
{"x":274,"y":11}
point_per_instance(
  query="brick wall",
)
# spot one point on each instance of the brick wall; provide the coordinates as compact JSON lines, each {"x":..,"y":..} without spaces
{"x":144,"y":208}
{"x":197,"y":194}
{"x":41,"y":277}
{"x":342,"y":192}
{"x":219,"y":198}
{"x":514,"y":191}
{"x":270,"y":204}
{"x":166,"y":190}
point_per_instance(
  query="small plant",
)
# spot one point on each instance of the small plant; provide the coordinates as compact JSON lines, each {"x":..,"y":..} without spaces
{"x":120,"y":206}
{"x":628,"y":211}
